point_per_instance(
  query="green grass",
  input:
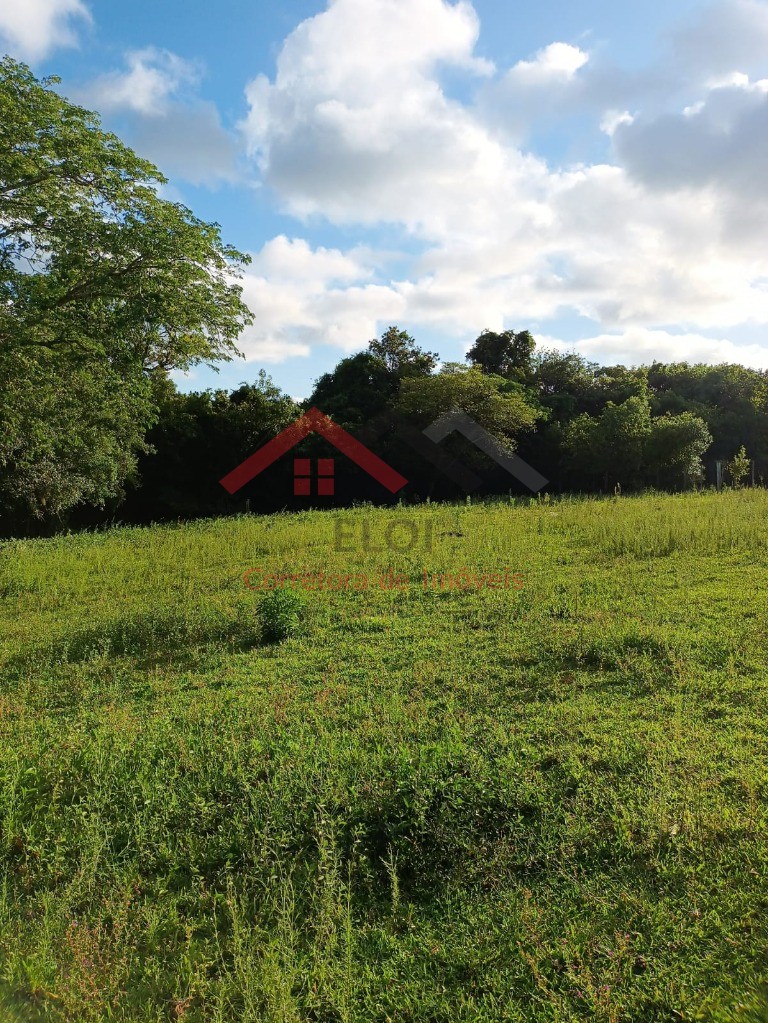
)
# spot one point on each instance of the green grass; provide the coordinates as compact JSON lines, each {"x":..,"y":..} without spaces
{"x":536,"y":804}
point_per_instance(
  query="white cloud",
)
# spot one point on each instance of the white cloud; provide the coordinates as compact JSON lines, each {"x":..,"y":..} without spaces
{"x":614,"y":119}
{"x":357,"y":128}
{"x":639,"y":346}
{"x":272,"y":350}
{"x":735,"y":78}
{"x":539,"y":91}
{"x":300,"y":296}
{"x":163,"y":117}
{"x":722,"y":36}
{"x":292,"y":261}
{"x":558,"y":61}
{"x":720,"y":141}
{"x":151,"y":79}
{"x":31,"y":29}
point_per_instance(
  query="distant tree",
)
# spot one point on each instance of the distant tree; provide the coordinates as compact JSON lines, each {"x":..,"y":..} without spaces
{"x":557,"y":373}
{"x":675,"y":448}
{"x":507,"y":354}
{"x":502,"y":408}
{"x":401,"y":355}
{"x":624,"y":432}
{"x":580,"y":453}
{"x":610,"y":448}
{"x":200,"y":436}
{"x":614,"y":385}
{"x":731,"y":399}
{"x":256,"y":411}
{"x":453,"y":368}
{"x":738,"y":467}
{"x":356,"y":390}
{"x":625,"y":445}
{"x":562,"y":380}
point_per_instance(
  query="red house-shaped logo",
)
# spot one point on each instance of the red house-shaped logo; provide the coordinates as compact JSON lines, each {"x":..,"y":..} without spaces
{"x":313,"y":421}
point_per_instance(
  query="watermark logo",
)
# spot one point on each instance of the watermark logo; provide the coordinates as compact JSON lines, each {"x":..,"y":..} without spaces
{"x":397,"y":535}
{"x":459,"y":422}
{"x":302,"y":477}
{"x":427,"y":444}
{"x":463,"y":580}
{"x":313,"y":421}
{"x":319,"y":479}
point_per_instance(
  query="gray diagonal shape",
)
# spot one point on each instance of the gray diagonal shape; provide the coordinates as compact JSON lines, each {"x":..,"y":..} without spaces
{"x":455,"y":470}
{"x":456,"y":421}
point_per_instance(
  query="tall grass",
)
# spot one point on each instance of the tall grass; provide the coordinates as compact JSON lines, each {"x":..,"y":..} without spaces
{"x":459,"y":803}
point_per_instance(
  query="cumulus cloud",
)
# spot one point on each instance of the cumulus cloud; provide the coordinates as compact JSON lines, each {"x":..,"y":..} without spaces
{"x":614,"y":119}
{"x":719,"y":141}
{"x":719,"y":43}
{"x":31,"y":29}
{"x":156,"y":95}
{"x":721,"y":37}
{"x":556,"y":62}
{"x":549,"y":87}
{"x":152,"y":77}
{"x":293,"y":261}
{"x":302,"y":296}
{"x":357,"y":128}
{"x":640,"y":346}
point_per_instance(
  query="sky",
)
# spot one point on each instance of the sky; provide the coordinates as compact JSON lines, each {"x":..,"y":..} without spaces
{"x":594,"y":172}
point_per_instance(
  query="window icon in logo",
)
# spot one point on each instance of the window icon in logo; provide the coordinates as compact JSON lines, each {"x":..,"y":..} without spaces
{"x":302,"y":477}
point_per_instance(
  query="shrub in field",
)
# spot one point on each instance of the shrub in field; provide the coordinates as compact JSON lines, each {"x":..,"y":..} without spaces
{"x":280,"y":615}
{"x":738,"y":467}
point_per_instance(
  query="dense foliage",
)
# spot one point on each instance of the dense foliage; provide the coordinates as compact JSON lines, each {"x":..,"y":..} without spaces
{"x":104,"y":286}
{"x":585,"y":427}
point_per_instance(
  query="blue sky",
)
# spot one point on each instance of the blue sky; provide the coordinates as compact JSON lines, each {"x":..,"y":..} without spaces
{"x":593,"y":172}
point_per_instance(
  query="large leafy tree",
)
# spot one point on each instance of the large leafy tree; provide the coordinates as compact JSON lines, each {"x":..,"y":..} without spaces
{"x":610,"y":448}
{"x":68,"y":434}
{"x":355,"y":390}
{"x":626,"y":445}
{"x":400,"y":354}
{"x":731,"y":399}
{"x":498,"y":405}
{"x":103,"y":285}
{"x":675,"y":449}
{"x":362,"y":385}
{"x":506,"y":354}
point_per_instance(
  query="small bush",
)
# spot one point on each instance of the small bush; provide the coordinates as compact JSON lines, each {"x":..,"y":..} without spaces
{"x":280,"y":612}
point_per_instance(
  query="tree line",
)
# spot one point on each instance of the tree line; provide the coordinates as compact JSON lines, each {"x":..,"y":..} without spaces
{"x":585,"y":427}
{"x":106,"y":287}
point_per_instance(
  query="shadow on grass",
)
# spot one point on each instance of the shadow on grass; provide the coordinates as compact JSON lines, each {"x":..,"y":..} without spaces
{"x":19,"y":1008}
{"x":151,"y":636}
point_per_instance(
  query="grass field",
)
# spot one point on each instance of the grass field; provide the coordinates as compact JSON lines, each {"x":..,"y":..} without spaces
{"x":536,"y":802}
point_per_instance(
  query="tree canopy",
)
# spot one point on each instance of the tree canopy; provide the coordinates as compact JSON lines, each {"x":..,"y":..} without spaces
{"x":103,"y":283}
{"x":106,"y":286}
{"x":400,"y":354}
{"x":506,"y":354}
